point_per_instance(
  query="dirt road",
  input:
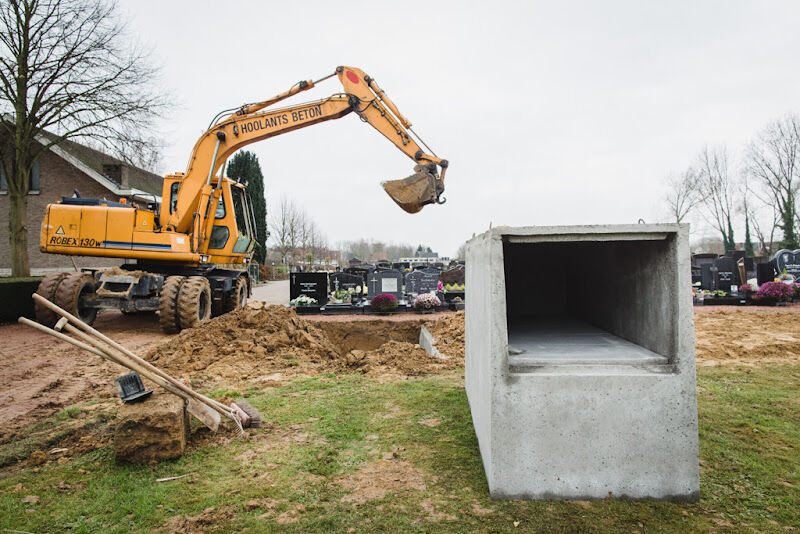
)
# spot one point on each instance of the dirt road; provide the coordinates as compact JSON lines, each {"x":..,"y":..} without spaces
{"x":40,"y":375}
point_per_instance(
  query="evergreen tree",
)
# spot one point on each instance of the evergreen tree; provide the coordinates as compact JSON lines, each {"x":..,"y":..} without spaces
{"x":730,"y":243}
{"x":245,"y":168}
{"x":749,"y":250}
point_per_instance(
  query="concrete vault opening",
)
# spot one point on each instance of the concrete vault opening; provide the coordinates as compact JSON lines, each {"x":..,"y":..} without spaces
{"x":572,"y":301}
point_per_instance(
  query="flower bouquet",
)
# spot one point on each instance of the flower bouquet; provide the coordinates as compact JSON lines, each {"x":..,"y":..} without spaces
{"x":384,"y":303}
{"x":427,"y":302}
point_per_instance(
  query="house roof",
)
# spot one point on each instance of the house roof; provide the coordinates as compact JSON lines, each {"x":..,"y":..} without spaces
{"x":91,"y":161}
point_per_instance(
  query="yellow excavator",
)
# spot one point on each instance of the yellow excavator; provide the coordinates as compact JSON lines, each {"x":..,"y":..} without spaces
{"x":192,"y":249}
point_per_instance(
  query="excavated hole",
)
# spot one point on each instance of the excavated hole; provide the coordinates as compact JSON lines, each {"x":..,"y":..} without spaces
{"x":369,"y":335}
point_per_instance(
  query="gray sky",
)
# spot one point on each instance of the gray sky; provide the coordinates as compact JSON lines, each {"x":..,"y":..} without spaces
{"x":549,"y":112}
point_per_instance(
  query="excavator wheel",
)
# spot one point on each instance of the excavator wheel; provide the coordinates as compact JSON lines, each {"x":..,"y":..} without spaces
{"x":168,"y":304}
{"x":47,"y":288}
{"x":237,"y":297}
{"x":70,"y":291}
{"x":194,"y":302}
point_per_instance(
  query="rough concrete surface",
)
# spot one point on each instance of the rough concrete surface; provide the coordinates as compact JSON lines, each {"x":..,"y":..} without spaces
{"x":601,"y":401}
{"x":151,"y":430}
{"x":428,"y":342}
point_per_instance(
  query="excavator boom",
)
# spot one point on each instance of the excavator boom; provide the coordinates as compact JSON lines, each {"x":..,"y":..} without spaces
{"x":255,"y":122}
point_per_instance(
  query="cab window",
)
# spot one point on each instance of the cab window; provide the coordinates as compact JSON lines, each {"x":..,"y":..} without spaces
{"x":220,"y":208}
{"x":241,"y":212}
{"x":173,"y":195}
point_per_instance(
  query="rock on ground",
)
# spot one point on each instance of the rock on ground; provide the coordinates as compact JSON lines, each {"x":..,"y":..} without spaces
{"x":152,"y":430}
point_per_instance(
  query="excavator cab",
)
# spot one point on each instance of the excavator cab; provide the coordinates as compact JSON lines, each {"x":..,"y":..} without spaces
{"x":418,"y":190}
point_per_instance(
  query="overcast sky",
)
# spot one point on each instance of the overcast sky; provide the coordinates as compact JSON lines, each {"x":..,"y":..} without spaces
{"x":549,"y":112}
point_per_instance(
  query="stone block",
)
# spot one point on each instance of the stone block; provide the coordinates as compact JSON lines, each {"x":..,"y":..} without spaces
{"x":152,"y":430}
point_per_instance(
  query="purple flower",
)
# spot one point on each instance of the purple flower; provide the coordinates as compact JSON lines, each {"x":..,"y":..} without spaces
{"x":385,"y":302}
{"x":776,"y":291}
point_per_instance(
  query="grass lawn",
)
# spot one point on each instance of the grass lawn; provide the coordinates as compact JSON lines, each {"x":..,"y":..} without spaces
{"x":352,"y":453}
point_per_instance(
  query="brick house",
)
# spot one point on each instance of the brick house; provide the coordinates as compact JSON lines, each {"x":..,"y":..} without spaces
{"x":59,"y":172}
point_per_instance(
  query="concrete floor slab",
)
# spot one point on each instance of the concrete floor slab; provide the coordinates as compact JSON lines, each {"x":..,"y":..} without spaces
{"x":569,"y":341}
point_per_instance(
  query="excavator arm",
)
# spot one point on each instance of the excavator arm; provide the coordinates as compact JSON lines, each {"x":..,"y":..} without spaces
{"x":254,"y":122}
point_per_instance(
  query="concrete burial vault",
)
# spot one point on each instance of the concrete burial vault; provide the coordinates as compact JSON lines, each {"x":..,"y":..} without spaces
{"x":580,"y":366}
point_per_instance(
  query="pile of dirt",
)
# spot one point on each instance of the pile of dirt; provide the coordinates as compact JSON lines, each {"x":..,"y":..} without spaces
{"x":259,"y":340}
{"x":748,"y":337}
{"x":449,"y":335}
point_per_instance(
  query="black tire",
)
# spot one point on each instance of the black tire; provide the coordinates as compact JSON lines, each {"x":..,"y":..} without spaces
{"x":72,"y":289}
{"x":194,"y":302}
{"x":168,"y":304}
{"x":47,"y":288}
{"x":237,"y":297}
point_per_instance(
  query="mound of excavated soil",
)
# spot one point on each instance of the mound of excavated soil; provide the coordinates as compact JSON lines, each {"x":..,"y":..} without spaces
{"x":262,"y":341}
{"x":747,"y":337}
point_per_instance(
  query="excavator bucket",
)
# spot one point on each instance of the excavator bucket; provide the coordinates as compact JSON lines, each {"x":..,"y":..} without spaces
{"x":414,"y":192}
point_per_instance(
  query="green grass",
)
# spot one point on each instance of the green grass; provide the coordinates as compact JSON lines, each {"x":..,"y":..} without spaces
{"x":326,"y":427}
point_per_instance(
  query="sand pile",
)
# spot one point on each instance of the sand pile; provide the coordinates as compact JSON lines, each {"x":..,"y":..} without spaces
{"x":747,"y":337}
{"x":257,"y":341}
{"x":449,"y":335}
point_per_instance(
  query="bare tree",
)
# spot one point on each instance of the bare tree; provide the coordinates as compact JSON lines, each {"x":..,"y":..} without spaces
{"x":765,"y":234}
{"x":775,"y":162}
{"x":281,"y":226}
{"x":64,"y":67}
{"x":682,"y":195}
{"x":718,"y":190}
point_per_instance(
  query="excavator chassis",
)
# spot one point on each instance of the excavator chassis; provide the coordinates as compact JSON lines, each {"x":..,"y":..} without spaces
{"x":183,"y":296}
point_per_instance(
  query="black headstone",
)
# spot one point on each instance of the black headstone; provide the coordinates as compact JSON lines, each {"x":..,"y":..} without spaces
{"x":385,"y":282}
{"x":727,"y":273}
{"x":765,"y":272}
{"x":789,"y":261}
{"x":345,"y":281}
{"x":315,"y":285}
{"x":707,"y":277}
{"x":422,"y":281}
{"x":696,"y":277}
{"x":698,"y":260}
{"x":362,"y":270}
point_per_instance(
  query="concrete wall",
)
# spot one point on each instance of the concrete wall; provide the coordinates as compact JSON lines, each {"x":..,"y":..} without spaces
{"x":591,"y":430}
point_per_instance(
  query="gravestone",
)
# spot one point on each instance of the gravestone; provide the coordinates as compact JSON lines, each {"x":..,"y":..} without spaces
{"x":315,"y":285}
{"x":698,"y":260}
{"x":345,"y":281}
{"x":422,"y":281}
{"x":696,"y":277}
{"x":385,"y":282}
{"x":789,"y":261}
{"x":707,"y":277}
{"x":361,"y":270}
{"x":455,"y":275}
{"x":765,"y":272}
{"x":727,"y":273}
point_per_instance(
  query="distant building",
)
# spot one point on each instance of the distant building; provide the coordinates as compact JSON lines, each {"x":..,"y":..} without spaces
{"x":59,"y":172}
{"x":425,"y":260}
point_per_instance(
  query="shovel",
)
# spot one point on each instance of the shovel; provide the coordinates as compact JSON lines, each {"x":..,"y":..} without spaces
{"x":416,"y":191}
